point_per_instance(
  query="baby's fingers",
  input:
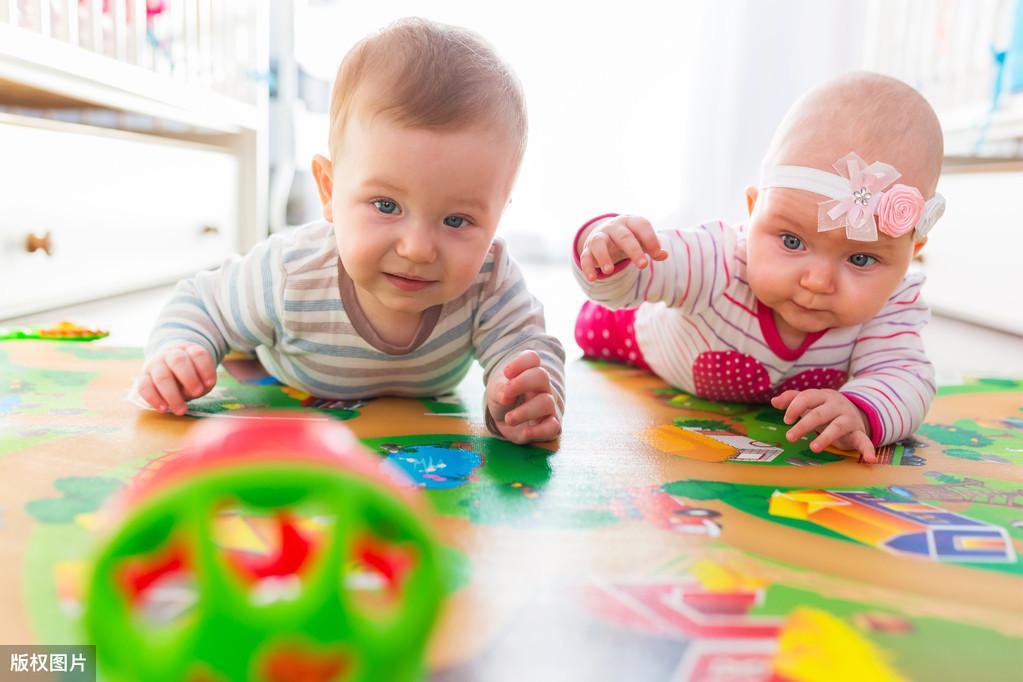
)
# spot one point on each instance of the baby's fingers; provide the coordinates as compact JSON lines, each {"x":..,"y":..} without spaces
{"x":599,"y":248}
{"x":805,"y":400}
{"x":825,"y":413}
{"x":535,"y":408}
{"x":588,"y":264}
{"x":862,"y":442}
{"x":205,"y":366}
{"x":837,"y":429}
{"x":180,"y":363}
{"x":644,"y":232}
{"x":533,"y":380}
{"x":623,"y":238}
{"x":167,"y":387}
{"x":548,"y":429}
{"x":848,"y":435}
{"x":525,"y":360}
{"x":782,"y":400}
{"x":148,"y":391}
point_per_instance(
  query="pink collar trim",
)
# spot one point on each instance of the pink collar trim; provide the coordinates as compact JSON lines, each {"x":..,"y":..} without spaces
{"x":771,"y":334}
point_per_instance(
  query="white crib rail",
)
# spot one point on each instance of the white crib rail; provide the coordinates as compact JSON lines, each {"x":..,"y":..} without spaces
{"x":200,"y":42}
{"x":945,"y":48}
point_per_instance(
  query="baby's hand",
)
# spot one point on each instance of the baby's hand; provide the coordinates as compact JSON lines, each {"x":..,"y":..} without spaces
{"x":626,"y":236}
{"x":177,"y":373}
{"x":521,"y":401}
{"x":832,"y":415}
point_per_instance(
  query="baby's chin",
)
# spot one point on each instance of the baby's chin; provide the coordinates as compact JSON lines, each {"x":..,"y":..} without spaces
{"x":805,"y":328}
{"x":410,"y":304}
{"x":808,"y":323}
{"x":821,"y":321}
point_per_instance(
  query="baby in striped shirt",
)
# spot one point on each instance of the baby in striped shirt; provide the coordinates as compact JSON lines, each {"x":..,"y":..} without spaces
{"x":808,"y":306}
{"x":403,"y":283}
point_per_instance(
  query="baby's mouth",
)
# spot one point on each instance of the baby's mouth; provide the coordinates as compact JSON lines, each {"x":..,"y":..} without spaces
{"x":408,"y":282}
{"x":804,"y":309}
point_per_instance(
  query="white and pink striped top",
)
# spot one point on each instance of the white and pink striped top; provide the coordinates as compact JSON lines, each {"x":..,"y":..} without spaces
{"x":700,"y":328}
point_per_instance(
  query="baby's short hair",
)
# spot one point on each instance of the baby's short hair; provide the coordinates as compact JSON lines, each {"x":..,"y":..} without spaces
{"x":425,"y":74}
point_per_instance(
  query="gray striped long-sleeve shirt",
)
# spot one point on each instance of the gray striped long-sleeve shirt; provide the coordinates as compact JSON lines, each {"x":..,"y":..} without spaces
{"x":290,"y":301}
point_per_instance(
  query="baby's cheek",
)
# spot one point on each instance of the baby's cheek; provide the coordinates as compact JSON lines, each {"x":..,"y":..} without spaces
{"x":457,"y":280}
{"x":764,"y":286}
{"x":859,"y":303}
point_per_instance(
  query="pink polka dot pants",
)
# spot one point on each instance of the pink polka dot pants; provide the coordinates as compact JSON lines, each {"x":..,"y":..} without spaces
{"x":606,"y":334}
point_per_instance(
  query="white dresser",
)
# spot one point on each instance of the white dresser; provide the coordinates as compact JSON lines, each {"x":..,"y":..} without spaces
{"x":115,"y":176}
{"x":105,"y":211}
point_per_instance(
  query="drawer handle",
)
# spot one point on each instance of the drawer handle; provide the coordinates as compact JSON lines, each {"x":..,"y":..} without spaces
{"x":34,"y":243}
{"x":209,"y":229}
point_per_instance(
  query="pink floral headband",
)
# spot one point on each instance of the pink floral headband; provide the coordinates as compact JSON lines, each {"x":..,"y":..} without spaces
{"x":857,"y":193}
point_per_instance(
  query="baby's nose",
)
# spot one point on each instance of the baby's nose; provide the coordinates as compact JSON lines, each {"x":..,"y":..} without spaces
{"x":417,"y":244}
{"x":819,"y":277}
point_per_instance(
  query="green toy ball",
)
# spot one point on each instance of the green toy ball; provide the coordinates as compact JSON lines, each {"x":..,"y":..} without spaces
{"x":272,"y":548}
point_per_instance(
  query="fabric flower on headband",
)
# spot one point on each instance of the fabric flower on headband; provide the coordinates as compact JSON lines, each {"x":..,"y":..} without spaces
{"x":898,"y":210}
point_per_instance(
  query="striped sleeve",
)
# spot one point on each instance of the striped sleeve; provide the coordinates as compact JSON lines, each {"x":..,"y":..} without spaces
{"x":697,"y":271}
{"x":233,"y":307}
{"x":892,"y":379}
{"x":510,"y":320}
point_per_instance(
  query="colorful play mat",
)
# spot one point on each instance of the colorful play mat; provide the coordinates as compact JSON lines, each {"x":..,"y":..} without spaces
{"x":663,"y":538}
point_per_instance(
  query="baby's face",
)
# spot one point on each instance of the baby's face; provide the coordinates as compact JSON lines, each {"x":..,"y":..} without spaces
{"x":817,"y":280}
{"x":415,"y":210}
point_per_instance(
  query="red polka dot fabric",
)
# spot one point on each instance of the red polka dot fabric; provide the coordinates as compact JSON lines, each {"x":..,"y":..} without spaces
{"x":606,"y":334}
{"x":736,"y":377}
{"x":819,"y":377}
{"x":730,"y":376}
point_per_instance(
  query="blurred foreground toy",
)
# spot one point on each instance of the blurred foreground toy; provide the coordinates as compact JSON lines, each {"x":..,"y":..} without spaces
{"x":273,"y":548}
{"x":62,"y":331}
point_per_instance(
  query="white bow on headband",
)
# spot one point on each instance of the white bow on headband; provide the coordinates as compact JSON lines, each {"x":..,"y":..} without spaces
{"x":858,"y":193}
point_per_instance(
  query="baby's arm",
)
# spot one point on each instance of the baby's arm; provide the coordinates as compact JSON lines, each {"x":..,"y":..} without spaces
{"x":620,"y":262}
{"x":892,"y":379}
{"x":234,"y":306}
{"x":523,"y":365}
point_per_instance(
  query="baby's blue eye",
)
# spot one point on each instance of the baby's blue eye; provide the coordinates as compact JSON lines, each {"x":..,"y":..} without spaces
{"x":791,"y":241}
{"x":386,"y":206}
{"x":862,"y":260}
{"x":456,"y":221}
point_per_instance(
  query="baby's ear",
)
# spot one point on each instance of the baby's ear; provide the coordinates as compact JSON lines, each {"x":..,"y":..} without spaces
{"x":751,"y":198}
{"x":323,"y":172}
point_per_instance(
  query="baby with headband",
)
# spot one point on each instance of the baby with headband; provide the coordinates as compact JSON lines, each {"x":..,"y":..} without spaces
{"x":808,"y":306}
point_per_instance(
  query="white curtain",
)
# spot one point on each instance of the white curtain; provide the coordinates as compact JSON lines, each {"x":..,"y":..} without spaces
{"x":760,"y":57}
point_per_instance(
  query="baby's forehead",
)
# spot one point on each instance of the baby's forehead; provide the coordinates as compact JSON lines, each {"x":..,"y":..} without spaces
{"x":838,"y":240}
{"x":796,"y":210}
{"x":825,"y":145}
